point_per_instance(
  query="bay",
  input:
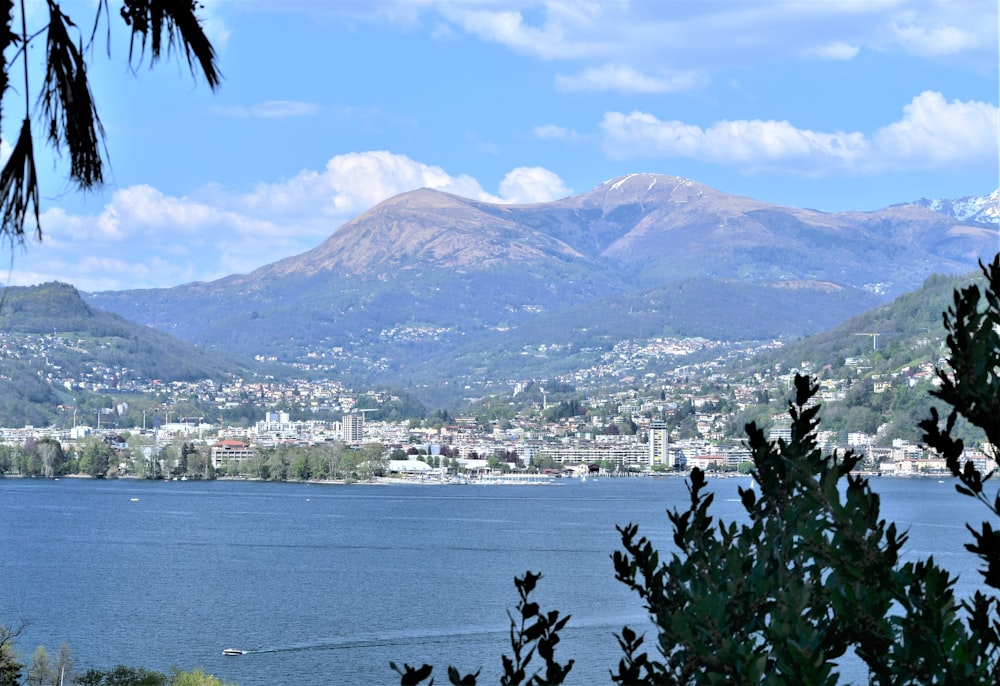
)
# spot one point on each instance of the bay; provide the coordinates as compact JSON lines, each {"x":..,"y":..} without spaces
{"x":326,"y":584}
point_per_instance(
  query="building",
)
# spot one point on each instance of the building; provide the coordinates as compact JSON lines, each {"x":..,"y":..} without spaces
{"x":227,"y":452}
{"x":625,"y":456}
{"x":659,"y":439}
{"x":352,"y":427}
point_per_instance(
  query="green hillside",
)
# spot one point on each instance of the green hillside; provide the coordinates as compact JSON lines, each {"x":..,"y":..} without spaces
{"x":884,"y":379}
{"x":910,"y":330}
{"x":57,"y":350}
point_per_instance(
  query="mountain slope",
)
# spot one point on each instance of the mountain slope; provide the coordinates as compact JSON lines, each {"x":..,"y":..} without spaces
{"x":430,"y":280}
{"x":54,"y":347}
{"x":426,"y":227}
{"x":900,"y":324}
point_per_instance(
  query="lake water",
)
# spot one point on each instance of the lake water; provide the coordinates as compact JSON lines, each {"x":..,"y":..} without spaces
{"x":326,"y":584}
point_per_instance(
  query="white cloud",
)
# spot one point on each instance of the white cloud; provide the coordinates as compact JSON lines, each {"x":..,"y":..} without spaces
{"x":280,"y":109}
{"x":562,"y":30}
{"x":644,"y":33}
{"x":144,"y":238}
{"x":479,"y":144}
{"x":936,"y":134}
{"x":935,"y":40}
{"x":216,"y":29}
{"x":612,"y":77}
{"x":526,"y":185}
{"x":834,"y":51}
{"x":350,"y":183}
{"x":749,"y":143}
{"x":932,"y":134}
{"x":272,"y":109}
{"x":557,"y":133}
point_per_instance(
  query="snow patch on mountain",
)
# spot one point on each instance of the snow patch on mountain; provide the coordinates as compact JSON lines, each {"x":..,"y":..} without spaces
{"x":982,"y":209}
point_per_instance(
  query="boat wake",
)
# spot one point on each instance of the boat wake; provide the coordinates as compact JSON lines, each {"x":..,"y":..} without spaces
{"x":388,"y":639}
{"x":486,"y":636}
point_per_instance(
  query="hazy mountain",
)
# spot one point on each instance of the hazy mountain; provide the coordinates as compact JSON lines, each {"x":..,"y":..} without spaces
{"x":428,"y":285}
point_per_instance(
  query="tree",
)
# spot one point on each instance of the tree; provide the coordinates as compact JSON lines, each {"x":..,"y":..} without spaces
{"x":9,"y":458}
{"x":97,"y":458}
{"x":51,"y":456}
{"x":63,"y":102}
{"x":122,"y":676}
{"x":63,"y":669}
{"x":10,"y":668}
{"x":374,"y":459}
{"x":813,"y":575}
{"x":335,"y":459}
{"x":275,"y":465}
{"x":40,"y":671}
{"x":196,"y":677}
{"x":971,"y":385}
{"x":532,"y":632}
{"x":300,"y":468}
{"x":181,"y":466}
{"x":815,"y":572}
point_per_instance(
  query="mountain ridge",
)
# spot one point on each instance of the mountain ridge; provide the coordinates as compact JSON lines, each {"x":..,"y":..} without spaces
{"x":980,"y":209}
{"x":478,"y":275}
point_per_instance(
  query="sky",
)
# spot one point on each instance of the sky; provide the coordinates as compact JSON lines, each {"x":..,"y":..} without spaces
{"x":328,"y":107}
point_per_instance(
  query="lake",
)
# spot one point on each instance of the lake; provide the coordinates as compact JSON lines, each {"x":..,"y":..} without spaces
{"x":326,"y":584}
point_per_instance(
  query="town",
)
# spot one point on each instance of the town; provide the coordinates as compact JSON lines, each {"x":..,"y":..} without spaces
{"x":645,"y":409}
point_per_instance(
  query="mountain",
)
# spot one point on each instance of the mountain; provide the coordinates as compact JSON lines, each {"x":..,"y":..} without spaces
{"x":428,"y":286}
{"x":984,"y":209}
{"x":56,"y":349}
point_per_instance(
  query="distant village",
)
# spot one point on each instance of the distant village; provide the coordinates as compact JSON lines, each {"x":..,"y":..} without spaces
{"x":631,"y":422}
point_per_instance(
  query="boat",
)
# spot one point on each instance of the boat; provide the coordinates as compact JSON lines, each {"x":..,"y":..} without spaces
{"x":232,"y":651}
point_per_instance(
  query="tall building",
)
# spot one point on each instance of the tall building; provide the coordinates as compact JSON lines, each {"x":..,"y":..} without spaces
{"x":352,"y":427}
{"x":658,"y":441}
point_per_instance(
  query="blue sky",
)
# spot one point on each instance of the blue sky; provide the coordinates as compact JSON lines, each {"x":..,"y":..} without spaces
{"x":329,"y":107}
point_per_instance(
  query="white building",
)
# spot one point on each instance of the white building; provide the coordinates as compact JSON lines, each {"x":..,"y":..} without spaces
{"x":228,"y":451}
{"x":352,"y":427}
{"x":659,"y":440}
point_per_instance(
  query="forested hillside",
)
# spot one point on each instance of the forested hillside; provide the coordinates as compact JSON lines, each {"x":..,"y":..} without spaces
{"x":882,"y":358}
{"x":56,"y":350}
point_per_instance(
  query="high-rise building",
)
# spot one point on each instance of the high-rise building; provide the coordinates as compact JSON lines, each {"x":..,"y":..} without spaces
{"x":658,"y":441}
{"x":352,"y":427}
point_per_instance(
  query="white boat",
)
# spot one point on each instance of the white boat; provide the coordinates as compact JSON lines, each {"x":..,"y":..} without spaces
{"x":232,"y":651}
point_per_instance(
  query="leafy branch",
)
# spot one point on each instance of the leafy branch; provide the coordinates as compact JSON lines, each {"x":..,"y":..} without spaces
{"x":532,"y":632}
{"x":65,"y":103}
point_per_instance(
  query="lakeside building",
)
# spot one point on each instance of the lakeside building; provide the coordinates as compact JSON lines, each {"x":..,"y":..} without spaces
{"x":231,"y":452}
{"x":659,"y":442}
{"x":626,"y":456}
{"x":914,"y":463}
{"x":721,"y":458}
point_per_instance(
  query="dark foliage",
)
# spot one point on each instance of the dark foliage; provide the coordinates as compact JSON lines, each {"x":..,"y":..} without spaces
{"x":65,"y":103}
{"x":532,"y":633}
{"x":971,"y":386}
{"x":816,"y":573}
{"x":122,"y":675}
